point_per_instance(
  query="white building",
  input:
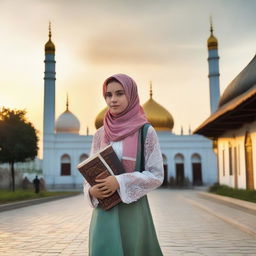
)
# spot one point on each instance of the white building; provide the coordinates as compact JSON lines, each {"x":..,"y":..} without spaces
{"x":232,"y":127}
{"x":187,"y":158}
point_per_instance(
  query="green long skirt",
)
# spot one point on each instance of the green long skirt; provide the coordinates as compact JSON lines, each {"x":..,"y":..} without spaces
{"x":125,"y":230}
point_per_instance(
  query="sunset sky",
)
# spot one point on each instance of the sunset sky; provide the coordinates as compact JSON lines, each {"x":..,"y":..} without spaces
{"x":163,"y":41}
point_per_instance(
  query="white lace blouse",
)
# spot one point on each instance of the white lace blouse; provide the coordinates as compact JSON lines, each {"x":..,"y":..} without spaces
{"x":134,"y":185}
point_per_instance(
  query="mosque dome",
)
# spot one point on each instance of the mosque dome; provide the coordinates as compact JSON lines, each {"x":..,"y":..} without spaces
{"x":157,"y":115}
{"x":49,"y":46}
{"x":212,"y":41}
{"x":241,"y":83}
{"x":99,"y":118}
{"x":67,"y":122}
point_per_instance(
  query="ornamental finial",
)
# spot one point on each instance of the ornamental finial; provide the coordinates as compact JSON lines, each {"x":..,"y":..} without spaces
{"x":50,"y":32}
{"x":151,"y":91}
{"x":67,"y":103}
{"x":211,"y":26}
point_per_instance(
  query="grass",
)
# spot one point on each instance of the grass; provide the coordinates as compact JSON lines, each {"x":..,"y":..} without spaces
{"x":7,"y":196}
{"x":243,"y":194}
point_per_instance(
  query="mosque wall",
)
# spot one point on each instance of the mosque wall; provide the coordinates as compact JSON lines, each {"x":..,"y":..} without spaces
{"x":185,"y":155}
{"x":233,"y":170}
{"x":73,"y":148}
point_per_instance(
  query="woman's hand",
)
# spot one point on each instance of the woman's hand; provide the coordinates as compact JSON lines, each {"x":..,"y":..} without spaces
{"x":105,"y":188}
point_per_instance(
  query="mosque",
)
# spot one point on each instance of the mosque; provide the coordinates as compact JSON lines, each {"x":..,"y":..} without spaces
{"x":188,"y":159}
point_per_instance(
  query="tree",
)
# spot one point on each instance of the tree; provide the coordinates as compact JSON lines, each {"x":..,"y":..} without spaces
{"x":18,"y":139}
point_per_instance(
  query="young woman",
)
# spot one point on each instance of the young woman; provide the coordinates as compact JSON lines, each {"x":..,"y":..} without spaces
{"x":127,"y":229}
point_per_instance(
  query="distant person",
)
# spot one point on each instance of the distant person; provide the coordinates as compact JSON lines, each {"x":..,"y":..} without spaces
{"x":42,"y":184}
{"x":25,"y":183}
{"x":128,"y":228}
{"x":36,"y":182}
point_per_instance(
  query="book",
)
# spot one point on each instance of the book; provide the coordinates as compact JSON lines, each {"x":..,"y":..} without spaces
{"x":99,"y":166}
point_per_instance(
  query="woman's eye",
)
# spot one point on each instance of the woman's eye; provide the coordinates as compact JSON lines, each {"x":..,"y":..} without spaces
{"x":108,"y":95}
{"x":120,"y":94}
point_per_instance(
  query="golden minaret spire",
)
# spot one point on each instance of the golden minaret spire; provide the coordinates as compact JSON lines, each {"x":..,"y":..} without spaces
{"x":211,"y":26}
{"x":50,"y":31}
{"x":212,"y":41}
{"x":49,"y":46}
{"x":67,"y":103}
{"x":150,"y":92}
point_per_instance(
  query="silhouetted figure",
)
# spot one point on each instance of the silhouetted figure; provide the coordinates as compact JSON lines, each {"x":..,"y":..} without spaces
{"x":36,"y":182}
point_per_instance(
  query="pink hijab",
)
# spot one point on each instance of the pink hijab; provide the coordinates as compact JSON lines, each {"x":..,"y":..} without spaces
{"x":125,"y":126}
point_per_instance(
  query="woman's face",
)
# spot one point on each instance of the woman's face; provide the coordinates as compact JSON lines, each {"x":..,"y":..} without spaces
{"x":115,"y":98}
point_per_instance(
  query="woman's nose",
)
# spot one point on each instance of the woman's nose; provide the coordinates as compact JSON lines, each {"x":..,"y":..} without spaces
{"x":113,"y":98}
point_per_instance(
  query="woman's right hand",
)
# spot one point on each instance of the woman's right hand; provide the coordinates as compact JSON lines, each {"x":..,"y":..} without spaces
{"x":97,"y":192}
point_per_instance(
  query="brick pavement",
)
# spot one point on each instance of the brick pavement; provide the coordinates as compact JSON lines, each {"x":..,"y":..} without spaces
{"x":61,"y":227}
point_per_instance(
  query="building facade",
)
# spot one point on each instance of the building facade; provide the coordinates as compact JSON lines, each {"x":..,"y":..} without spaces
{"x":233,"y":129}
{"x":188,"y":159}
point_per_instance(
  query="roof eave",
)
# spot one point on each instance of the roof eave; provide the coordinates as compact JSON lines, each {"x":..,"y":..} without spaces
{"x":232,"y":115}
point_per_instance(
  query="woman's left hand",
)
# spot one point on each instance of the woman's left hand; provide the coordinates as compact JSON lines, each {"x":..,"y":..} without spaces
{"x":108,"y":184}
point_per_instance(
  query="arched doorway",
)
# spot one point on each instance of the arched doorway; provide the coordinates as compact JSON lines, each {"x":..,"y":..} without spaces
{"x":179,"y":166}
{"x":197,"y":170}
{"x":83,"y":157}
{"x":65,"y":168}
{"x":248,"y":161}
{"x":165,"y":181}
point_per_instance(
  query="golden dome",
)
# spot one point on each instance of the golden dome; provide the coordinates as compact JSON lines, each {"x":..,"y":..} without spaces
{"x":157,"y":115}
{"x":212,"y":41}
{"x":49,"y":46}
{"x":99,"y":118}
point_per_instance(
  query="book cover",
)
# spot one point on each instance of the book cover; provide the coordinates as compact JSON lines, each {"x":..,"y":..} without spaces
{"x":99,"y":166}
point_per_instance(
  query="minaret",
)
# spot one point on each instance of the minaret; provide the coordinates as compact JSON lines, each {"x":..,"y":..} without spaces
{"x":214,"y":75}
{"x":49,"y":86}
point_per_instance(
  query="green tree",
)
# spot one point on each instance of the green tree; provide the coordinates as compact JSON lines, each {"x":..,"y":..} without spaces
{"x":18,"y":139}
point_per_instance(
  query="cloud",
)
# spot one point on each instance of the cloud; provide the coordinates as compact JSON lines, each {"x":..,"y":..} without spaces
{"x":125,"y":47}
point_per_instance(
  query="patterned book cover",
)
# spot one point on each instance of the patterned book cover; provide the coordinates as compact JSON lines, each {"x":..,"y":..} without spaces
{"x":100,"y":166}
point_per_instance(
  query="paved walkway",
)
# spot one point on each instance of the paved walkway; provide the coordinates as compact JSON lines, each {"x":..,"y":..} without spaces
{"x":186,"y":223}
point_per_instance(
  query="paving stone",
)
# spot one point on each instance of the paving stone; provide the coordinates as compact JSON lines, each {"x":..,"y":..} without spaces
{"x":61,"y":227}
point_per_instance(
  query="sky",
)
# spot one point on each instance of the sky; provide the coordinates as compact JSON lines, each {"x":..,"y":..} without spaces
{"x":162,"y":41}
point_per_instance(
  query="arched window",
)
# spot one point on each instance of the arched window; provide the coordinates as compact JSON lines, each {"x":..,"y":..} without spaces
{"x":179,"y":166}
{"x":248,"y":161}
{"x":83,"y":157}
{"x":196,"y":169}
{"x":165,"y":181}
{"x":179,"y":158}
{"x":65,"y":169}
